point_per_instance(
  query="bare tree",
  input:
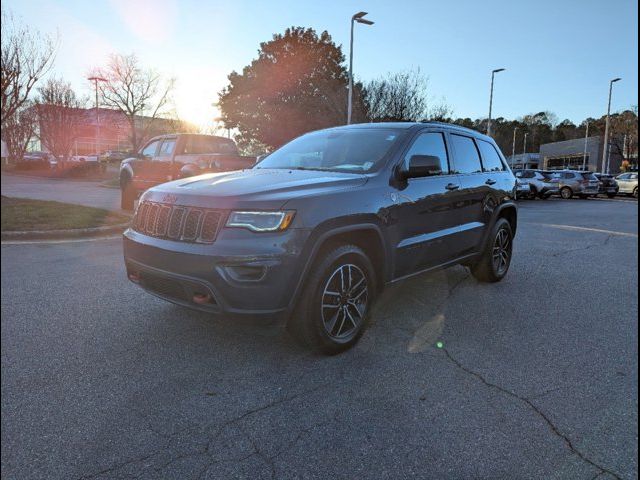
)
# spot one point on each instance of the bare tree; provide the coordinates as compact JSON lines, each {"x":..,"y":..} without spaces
{"x":18,"y":130}
{"x":60,"y":113}
{"x":397,"y":97}
{"x":141,"y":94}
{"x":26,"y":56}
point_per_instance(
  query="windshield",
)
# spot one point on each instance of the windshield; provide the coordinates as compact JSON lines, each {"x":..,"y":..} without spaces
{"x":353,"y":150}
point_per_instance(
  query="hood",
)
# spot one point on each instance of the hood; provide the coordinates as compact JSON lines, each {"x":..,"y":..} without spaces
{"x":254,"y":188}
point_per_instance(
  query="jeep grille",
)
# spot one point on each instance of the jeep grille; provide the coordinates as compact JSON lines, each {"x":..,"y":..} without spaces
{"x":179,"y":223}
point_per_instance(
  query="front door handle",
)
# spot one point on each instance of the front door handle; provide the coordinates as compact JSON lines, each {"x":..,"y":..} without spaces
{"x":452,"y":186}
{"x":490,"y":182}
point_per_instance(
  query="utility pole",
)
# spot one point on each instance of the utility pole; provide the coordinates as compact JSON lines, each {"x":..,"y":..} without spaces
{"x":95,"y":81}
{"x":584,"y":156}
{"x":513,"y":148}
{"x":493,"y":73}
{"x":358,"y":17}
{"x":605,"y":149}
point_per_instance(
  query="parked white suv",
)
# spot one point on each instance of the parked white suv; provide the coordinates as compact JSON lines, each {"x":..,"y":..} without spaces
{"x":628,"y":183}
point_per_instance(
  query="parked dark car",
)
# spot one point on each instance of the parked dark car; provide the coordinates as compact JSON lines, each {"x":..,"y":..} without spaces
{"x":169,"y":157}
{"x":35,"y":161}
{"x":314,"y":231}
{"x":575,"y":182}
{"x":608,"y":185}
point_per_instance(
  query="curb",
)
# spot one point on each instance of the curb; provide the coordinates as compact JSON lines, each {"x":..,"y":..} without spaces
{"x":66,"y":234}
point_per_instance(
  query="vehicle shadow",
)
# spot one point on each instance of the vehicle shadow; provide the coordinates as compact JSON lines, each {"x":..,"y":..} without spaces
{"x":408,"y":316}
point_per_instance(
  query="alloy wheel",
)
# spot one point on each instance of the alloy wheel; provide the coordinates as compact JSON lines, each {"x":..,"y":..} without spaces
{"x":344,"y":302}
{"x":501,"y":251}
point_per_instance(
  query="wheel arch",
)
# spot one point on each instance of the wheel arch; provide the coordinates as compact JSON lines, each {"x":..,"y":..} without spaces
{"x":366,"y":235}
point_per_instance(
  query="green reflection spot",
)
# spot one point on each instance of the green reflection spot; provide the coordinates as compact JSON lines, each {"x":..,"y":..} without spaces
{"x":439,"y":344}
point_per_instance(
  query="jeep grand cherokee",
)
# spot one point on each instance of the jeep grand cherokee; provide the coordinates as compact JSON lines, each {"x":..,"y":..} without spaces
{"x":314,"y":231}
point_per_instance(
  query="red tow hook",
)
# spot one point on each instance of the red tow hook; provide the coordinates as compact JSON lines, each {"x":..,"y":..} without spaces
{"x":201,"y":298}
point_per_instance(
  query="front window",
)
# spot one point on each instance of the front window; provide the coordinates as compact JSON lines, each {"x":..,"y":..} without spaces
{"x":357,"y":150}
{"x":150,"y":149}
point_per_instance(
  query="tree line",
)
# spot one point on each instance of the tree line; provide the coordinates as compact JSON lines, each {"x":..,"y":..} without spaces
{"x":296,"y":84}
{"x":55,"y":114}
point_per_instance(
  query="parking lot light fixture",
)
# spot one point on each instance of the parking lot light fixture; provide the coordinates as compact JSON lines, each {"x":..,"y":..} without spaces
{"x":605,"y":147}
{"x":493,"y":73}
{"x":358,"y":17}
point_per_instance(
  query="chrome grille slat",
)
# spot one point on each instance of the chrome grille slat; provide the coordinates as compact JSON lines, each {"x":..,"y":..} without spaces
{"x":178,"y":223}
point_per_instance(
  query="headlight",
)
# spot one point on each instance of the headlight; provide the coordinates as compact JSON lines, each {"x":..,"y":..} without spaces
{"x":261,"y":221}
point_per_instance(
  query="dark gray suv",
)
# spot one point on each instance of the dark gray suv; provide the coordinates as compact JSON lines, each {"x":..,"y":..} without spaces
{"x":315,"y":230}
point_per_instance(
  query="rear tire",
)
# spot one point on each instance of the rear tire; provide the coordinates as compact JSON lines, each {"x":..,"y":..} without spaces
{"x":611,"y":195}
{"x":494,"y":262}
{"x":333,"y":309}
{"x":635,"y":192}
{"x":534,"y":193}
{"x":566,"y":193}
{"x":127,"y":195}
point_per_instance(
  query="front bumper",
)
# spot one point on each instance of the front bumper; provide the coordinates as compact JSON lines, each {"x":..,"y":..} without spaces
{"x":241,"y":273}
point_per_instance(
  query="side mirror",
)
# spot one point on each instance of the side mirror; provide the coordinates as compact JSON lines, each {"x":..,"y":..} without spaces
{"x":423,"y":166}
{"x":259,"y":158}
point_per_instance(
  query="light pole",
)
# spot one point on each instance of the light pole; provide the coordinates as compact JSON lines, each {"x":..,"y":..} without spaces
{"x":95,"y":81}
{"x":358,"y":17}
{"x":584,"y":155}
{"x":493,"y":73}
{"x":605,"y":154}
{"x":524,"y":149}
{"x":513,"y":148}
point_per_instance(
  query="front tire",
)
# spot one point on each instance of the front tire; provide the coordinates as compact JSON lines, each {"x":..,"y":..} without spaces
{"x":635,"y":192}
{"x":127,"y":195}
{"x":494,"y":262}
{"x":566,"y":193}
{"x":333,"y":309}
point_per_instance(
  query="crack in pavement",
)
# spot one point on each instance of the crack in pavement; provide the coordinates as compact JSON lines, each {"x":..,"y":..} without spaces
{"x":206,"y":449}
{"x":586,"y":247}
{"x":538,"y":412}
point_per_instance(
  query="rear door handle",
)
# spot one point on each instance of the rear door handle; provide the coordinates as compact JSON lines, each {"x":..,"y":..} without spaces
{"x":490,"y":182}
{"x":452,"y":186}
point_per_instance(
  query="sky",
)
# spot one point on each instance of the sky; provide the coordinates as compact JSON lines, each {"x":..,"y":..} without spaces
{"x":559,"y":55}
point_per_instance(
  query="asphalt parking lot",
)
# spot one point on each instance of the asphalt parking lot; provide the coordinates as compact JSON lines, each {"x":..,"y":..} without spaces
{"x":534,"y":377}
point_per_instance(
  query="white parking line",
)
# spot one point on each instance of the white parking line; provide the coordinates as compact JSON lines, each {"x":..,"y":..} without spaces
{"x":585,"y":229}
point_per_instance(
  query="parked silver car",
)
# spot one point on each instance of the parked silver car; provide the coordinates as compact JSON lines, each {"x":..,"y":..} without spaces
{"x":575,"y":182}
{"x":628,"y":183}
{"x":541,"y":184}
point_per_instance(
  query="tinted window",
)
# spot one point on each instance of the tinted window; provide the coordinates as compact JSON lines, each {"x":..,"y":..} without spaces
{"x":346,"y":150}
{"x":491,"y":161}
{"x":429,"y":144}
{"x":206,"y":145}
{"x":467,"y":159}
{"x":150,"y":150}
{"x":633,"y":176}
{"x":589,"y":176}
{"x":569,"y":175}
{"x":624,"y":176}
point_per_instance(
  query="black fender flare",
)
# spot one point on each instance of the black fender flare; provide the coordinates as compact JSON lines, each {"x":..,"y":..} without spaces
{"x":319,"y":237}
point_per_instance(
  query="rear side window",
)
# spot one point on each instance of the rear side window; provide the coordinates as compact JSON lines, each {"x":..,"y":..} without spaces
{"x":467,"y":159}
{"x":431,"y":143}
{"x":206,"y":145}
{"x":589,"y":176}
{"x":491,"y":161}
{"x":569,"y":175}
